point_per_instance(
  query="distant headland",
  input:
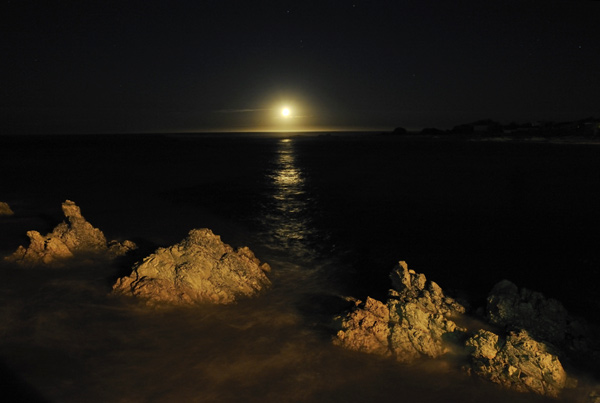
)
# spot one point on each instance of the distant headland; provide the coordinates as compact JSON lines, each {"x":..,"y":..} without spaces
{"x":587,"y":128}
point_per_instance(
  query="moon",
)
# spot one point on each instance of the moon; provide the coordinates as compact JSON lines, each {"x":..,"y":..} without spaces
{"x":285,"y":112}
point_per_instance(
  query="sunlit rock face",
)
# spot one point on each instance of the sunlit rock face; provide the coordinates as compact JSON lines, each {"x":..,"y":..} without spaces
{"x":5,"y":209}
{"x":516,"y":362}
{"x":414,"y":322}
{"x":199,"y":269}
{"x":74,"y":237}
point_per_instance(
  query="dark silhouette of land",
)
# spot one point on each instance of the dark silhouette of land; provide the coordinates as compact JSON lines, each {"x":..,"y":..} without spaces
{"x":587,"y":128}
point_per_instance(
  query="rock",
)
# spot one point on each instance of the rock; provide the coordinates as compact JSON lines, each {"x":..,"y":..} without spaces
{"x":77,"y":237}
{"x":199,"y":269}
{"x":5,"y":209}
{"x":414,"y":322}
{"x":409,"y":285}
{"x":546,"y":319}
{"x":116,"y":248}
{"x":516,"y":362}
{"x":417,"y":320}
{"x":366,"y":328}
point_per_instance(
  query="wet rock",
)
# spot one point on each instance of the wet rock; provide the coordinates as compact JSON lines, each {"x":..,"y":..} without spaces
{"x":414,"y":322}
{"x":74,"y":237}
{"x":516,"y":362}
{"x":199,"y":269}
{"x":5,"y":209}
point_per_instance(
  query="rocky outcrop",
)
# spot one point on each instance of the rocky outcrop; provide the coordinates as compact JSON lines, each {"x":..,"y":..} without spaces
{"x":544,"y":318}
{"x":516,"y":362}
{"x":414,"y":322}
{"x":5,"y":209}
{"x":74,"y":237}
{"x":199,"y":269}
{"x":535,"y":334}
{"x":418,"y":320}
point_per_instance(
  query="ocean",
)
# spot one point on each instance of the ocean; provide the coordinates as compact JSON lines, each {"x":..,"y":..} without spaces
{"x":331,"y":213}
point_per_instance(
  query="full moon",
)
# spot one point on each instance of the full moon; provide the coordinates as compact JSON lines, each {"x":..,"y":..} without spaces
{"x":285,"y":112}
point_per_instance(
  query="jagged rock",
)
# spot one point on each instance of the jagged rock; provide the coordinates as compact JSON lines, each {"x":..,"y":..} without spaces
{"x":414,"y":322}
{"x":411,"y":286}
{"x":5,"y":209}
{"x":366,"y":328}
{"x":544,"y":318}
{"x":201,"y":268}
{"x":77,"y":237}
{"x":417,"y":320}
{"x":516,"y":362}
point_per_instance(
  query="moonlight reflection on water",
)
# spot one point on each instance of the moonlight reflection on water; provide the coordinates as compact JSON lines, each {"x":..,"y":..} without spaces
{"x":286,"y":215}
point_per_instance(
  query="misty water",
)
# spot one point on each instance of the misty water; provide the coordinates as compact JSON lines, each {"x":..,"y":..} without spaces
{"x":331,"y":215}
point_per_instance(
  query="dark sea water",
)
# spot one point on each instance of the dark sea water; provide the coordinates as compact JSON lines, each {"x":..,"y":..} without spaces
{"x":331,"y":214}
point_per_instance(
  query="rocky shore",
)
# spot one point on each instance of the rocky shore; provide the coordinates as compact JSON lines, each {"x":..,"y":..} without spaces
{"x":520,"y":340}
{"x":531,"y":336}
{"x":199,"y":269}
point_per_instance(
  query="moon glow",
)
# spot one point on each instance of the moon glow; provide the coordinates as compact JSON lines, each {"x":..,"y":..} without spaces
{"x":285,"y":112}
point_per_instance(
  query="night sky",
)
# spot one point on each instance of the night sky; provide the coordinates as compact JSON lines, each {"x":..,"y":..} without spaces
{"x":188,"y":66}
